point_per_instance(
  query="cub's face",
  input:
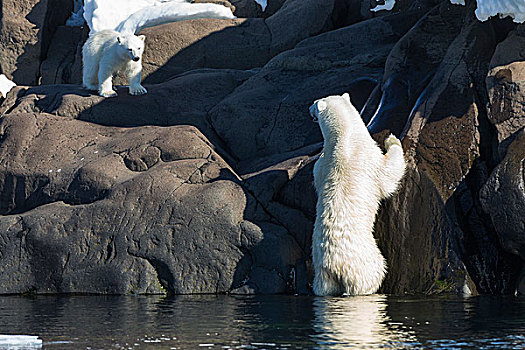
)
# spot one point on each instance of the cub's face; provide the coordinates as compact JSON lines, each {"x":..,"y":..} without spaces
{"x":131,"y":45}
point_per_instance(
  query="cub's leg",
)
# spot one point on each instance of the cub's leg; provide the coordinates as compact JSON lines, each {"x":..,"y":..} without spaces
{"x":89,"y":70}
{"x":134,"y":72}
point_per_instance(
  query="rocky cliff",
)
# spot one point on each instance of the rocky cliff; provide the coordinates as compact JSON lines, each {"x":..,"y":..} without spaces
{"x":204,"y":185}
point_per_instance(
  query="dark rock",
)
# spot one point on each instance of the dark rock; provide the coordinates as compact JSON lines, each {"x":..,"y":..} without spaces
{"x":178,"y":224}
{"x":273,"y":105}
{"x":27,"y":27}
{"x":204,"y":185}
{"x":506,"y":86}
{"x":177,"y":47}
{"x":503,"y":198}
{"x":195,"y":94}
{"x":412,"y":63}
{"x":64,"y":59}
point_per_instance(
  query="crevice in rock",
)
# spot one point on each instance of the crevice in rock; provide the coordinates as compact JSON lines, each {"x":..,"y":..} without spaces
{"x":492,"y":269}
{"x":164,"y":275}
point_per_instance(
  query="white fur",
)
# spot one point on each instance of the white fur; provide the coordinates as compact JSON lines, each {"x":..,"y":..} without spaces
{"x":351,"y":177}
{"x":107,"y":52}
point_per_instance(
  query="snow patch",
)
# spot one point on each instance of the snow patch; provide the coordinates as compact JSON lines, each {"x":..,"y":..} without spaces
{"x":503,"y":8}
{"x":263,"y":3}
{"x":457,"y":2}
{"x":172,"y":12}
{"x":5,"y":86}
{"x":104,"y":14}
{"x":389,"y":5}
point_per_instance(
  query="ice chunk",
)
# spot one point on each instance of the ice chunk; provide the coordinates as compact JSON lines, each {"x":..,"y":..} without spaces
{"x":15,"y":342}
{"x":5,"y":85}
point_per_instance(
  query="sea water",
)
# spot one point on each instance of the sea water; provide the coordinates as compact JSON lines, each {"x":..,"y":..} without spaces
{"x":266,"y":322}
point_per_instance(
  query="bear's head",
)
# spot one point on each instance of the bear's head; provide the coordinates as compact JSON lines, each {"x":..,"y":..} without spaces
{"x":336,"y":115}
{"x":131,"y":46}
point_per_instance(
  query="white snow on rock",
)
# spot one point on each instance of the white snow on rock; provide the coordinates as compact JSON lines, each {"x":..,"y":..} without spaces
{"x":5,"y":86}
{"x":172,"y":12}
{"x":15,"y":342}
{"x":263,"y":3}
{"x":503,"y":8}
{"x":108,"y":14}
{"x":485,"y":9}
{"x":134,"y":15}
{"x":389,"y":5}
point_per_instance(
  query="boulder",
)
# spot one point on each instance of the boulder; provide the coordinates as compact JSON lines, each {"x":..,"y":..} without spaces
{"x":273,"y":105}
{"x":503,"y":198}
{"x":506,"y":85}
{"x":141,"y":210}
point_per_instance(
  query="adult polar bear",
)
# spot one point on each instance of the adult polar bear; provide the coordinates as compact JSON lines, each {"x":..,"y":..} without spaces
{"x":113,"y":46}
{"x":351,"y":176}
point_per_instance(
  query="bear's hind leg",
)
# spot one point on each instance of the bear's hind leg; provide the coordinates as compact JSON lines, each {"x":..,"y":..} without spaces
{"x":325,"y":284}
{"x":89,"y":72}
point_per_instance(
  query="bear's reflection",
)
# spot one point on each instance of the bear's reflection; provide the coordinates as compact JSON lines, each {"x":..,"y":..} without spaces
{"x":359,"y":321}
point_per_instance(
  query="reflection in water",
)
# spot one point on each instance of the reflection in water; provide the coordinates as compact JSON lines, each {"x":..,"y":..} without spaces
{"x":266,"y":322}
{"x":358,"y":321}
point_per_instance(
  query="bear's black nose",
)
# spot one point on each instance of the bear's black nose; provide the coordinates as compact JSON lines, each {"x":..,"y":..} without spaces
{"x":136,"y":59}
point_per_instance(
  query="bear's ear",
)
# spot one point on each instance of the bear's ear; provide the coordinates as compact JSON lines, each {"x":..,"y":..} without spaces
{"x":321,"y":105}
{"x":142,"y":37}
{"x":346,"y":96}
{"x":119,"y":39}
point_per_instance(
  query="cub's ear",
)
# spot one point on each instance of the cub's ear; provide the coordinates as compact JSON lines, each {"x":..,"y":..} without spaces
{"x":346,"y":96}
{"x":321,"y":105}
{"x":119,"y":39}
{"x":142,"y":37}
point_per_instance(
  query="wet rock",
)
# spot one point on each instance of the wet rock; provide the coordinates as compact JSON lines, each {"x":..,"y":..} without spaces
{"x":411,"y":64}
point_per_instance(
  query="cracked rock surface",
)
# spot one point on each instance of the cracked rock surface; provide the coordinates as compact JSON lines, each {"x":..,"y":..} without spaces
{"x":204,"y":185}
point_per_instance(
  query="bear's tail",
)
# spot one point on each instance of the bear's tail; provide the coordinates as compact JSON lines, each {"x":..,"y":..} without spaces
{"x":172,"y":12}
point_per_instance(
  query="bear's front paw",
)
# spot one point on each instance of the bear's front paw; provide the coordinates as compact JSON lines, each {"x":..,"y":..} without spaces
{"x":109,"y":93}
{"x":137,"y":90}
{"x":391,"y":141}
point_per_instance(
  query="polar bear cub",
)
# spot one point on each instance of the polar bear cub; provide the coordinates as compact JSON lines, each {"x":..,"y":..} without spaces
{"x":350,"y":177}
{"x":107,"y":52}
